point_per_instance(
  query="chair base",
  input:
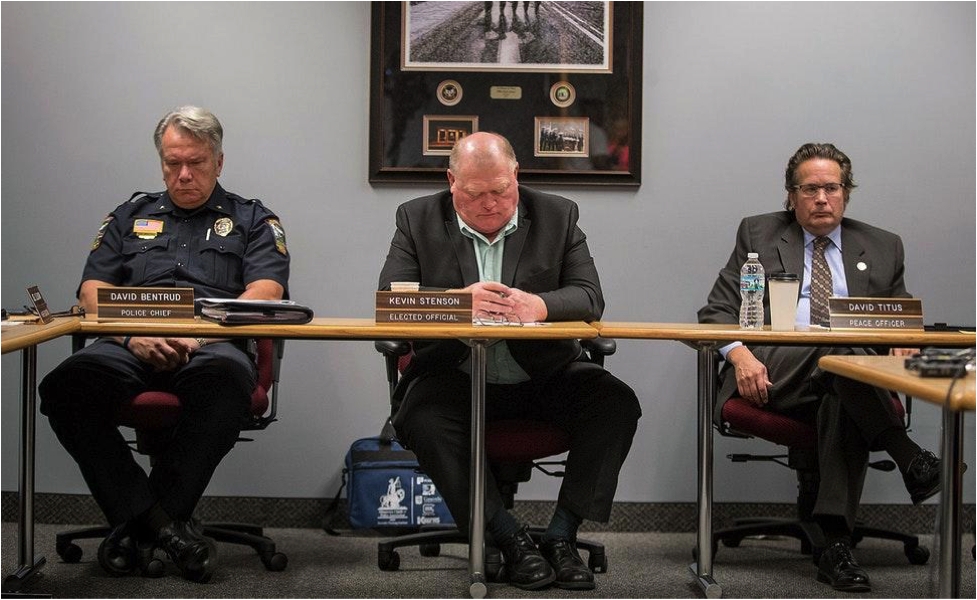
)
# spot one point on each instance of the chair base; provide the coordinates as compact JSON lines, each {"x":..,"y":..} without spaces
{"x":811,"y":538}
{"x":429,"y":544}
{"x":244,"y":534}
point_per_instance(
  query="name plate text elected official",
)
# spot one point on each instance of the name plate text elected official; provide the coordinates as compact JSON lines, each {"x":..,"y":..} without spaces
{"x":424,"y":308}
{"x":876,"y":313}
{"x":145,"y":304}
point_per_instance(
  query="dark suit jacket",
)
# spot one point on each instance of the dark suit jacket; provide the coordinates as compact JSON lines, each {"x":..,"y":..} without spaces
{"x":546,"y":255}
{"x":779,"y":240}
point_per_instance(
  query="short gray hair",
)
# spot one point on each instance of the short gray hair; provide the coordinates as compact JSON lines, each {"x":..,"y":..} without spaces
{"x":483,"y":156}
{"x":198,"y":122}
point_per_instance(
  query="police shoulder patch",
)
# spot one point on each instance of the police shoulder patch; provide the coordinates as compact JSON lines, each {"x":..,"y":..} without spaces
{"x":101,"y":232}
{"x":279,"y":233}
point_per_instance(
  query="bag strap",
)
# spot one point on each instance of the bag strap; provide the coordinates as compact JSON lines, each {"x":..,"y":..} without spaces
{"x":387,"y":434}
{"x":333,"y":507}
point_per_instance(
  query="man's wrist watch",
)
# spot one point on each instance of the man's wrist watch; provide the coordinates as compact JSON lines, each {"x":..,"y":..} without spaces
{"x":201,"y":342}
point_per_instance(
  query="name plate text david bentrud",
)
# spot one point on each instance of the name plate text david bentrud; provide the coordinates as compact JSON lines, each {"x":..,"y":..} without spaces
{"x":424,"y":308}
{"x":876,"y":313}
{"x":145,"y":304}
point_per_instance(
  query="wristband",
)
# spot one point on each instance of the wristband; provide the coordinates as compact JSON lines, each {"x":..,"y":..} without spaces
{"x":125,"y":341}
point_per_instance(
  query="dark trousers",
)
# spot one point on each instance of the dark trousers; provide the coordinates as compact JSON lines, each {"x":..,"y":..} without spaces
{"x":81,"y":398}
{"x":849,"y":416}
{"x":599,"y":412}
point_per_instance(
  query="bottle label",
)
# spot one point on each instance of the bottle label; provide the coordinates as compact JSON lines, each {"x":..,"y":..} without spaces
{"x":751,"y":282}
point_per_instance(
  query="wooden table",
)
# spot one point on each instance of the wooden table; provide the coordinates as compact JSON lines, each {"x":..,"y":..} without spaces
{"x":479,"y":338}
{"x":706,"y":339}
{"x":25,"y":337}
{"x":889,"y":372}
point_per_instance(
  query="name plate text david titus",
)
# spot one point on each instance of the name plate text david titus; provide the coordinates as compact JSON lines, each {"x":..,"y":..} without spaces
{"x":876,"y":313}
{"x":145,"y":304}
{"x":424,"y":308}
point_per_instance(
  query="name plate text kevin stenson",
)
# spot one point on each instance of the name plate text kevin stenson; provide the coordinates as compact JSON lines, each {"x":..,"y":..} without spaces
{"x":424,"y":308}
{"x":145,"y":304}
{"x":876,"y":313}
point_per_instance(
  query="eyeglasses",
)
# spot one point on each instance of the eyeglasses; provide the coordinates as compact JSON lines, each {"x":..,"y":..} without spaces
{"x":810,"y":190}
{"x":484,"y":318}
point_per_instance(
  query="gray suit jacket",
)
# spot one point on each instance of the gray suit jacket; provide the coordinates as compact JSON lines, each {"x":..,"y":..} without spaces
{"x":546,"y":255}
{"x":779,"y":240}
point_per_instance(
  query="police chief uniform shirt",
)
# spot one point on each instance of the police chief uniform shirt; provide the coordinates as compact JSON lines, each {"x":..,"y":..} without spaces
{"x":217,"y":249}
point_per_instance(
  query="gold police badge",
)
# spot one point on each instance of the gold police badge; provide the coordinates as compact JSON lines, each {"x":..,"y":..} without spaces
{"x":223,"y":226}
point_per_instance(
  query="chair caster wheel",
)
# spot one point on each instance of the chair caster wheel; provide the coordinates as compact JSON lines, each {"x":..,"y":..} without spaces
{"x":917,"y":555}
{"x":597,"y":562}
{"x":388,"y":561}
{"x":430,"y":550}
{"x":69,"y":552}
{"x":274,"y":561}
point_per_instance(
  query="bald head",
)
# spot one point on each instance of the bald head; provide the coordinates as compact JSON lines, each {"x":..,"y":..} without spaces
{"x":483,"y":177}
{"x":480,"y":150}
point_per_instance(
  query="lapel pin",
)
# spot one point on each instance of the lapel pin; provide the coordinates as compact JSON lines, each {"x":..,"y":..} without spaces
{"x":861,"y":266}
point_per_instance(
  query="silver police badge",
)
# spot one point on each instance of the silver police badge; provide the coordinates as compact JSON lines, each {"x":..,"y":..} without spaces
{"x":223,"y":226}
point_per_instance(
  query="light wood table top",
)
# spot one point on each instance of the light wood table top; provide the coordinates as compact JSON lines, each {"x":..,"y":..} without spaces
{"x":343,"y":328}
{"x":18,"y":337}
{"x":703,"y":332}
{"x":888,"y":372}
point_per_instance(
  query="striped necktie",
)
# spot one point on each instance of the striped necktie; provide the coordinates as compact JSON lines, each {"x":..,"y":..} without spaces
{"x":821,"y":288}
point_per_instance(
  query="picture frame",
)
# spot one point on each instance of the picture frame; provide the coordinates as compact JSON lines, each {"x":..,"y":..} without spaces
{"x":410,"y":92}
{"x":442,"y":131}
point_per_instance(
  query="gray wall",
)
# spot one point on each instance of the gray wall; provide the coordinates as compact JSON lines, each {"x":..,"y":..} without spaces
{"x":731,"y":90}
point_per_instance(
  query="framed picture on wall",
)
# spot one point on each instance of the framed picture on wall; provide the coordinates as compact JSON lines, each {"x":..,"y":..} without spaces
{"x":442,"y":131}
{"x":560,"y":80}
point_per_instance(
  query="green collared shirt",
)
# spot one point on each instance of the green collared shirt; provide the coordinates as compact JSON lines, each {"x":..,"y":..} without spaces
{"x":501,"y":367}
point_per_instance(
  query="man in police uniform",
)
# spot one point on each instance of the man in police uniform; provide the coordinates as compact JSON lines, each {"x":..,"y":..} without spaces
{"x":192,"y":235}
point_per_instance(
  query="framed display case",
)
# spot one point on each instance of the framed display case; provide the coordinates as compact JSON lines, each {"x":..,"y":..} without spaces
{"x":560,"y":80}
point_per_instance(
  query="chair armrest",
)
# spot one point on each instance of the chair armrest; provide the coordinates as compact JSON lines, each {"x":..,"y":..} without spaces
{"x":392,"y":347}
{"x":598,"y":348}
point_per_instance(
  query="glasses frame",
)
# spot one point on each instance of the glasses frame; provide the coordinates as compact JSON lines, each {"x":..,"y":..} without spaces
{"x":819,"y":188}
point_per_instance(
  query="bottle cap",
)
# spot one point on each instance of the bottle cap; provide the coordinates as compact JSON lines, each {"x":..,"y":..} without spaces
{"x":752,"y":255}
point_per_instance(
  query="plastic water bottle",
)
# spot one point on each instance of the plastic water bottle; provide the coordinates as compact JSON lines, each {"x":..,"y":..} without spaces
{"x":752,"y":285}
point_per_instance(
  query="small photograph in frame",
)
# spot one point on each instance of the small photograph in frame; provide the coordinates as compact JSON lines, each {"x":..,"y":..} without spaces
{"x":442,"y":131}
{"x":562,"y":136}
{"x":551,"y":37}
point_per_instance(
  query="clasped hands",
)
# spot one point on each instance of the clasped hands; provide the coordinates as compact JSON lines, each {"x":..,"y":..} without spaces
{"x":164,"y":354}
{"x":496,"y":300}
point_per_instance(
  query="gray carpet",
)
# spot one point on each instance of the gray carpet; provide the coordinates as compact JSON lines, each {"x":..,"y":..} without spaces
{"x":642,"y":565}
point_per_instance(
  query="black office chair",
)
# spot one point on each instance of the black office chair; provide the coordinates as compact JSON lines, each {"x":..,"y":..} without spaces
{"x":513,"y":449}
{"x":742,"y":419}
{"x":153,"y":414}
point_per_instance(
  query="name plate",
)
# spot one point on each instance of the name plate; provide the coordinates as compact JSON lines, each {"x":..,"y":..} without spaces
{"x":876,"y":313}
{"x":40,"y":305}
{"x":505,"y":92}
{"x":424,"y":308}
{"x":145,"y":304}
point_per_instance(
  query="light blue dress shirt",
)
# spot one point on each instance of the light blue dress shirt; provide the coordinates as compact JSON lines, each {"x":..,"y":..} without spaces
{"x":500,"y":366}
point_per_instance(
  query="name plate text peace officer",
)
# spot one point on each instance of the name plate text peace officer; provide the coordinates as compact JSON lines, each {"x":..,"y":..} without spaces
{"x":876,"y":313}
{"x":145,"y":304}
{"x":424,"y":308}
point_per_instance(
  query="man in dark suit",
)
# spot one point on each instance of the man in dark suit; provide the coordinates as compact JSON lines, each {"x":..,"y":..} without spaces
{"x":841,"y":257}
{"x":521,"y":255}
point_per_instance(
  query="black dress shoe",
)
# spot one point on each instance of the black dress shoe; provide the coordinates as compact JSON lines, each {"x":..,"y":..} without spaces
{"x":838,"y":567}
{"x":194,"y":554}
{"x":117,"y":552}
{"x":922,"y":478}
{"x":524,"y":565}
{"x":571,"y":572}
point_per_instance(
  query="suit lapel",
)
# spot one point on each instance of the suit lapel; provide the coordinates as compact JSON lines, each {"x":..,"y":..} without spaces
{"x":513,"y":247}
{"x":464,"y":251}
{"x":853,"y":254}
{"x":461,"y":245}
{"x":791,"y":249}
